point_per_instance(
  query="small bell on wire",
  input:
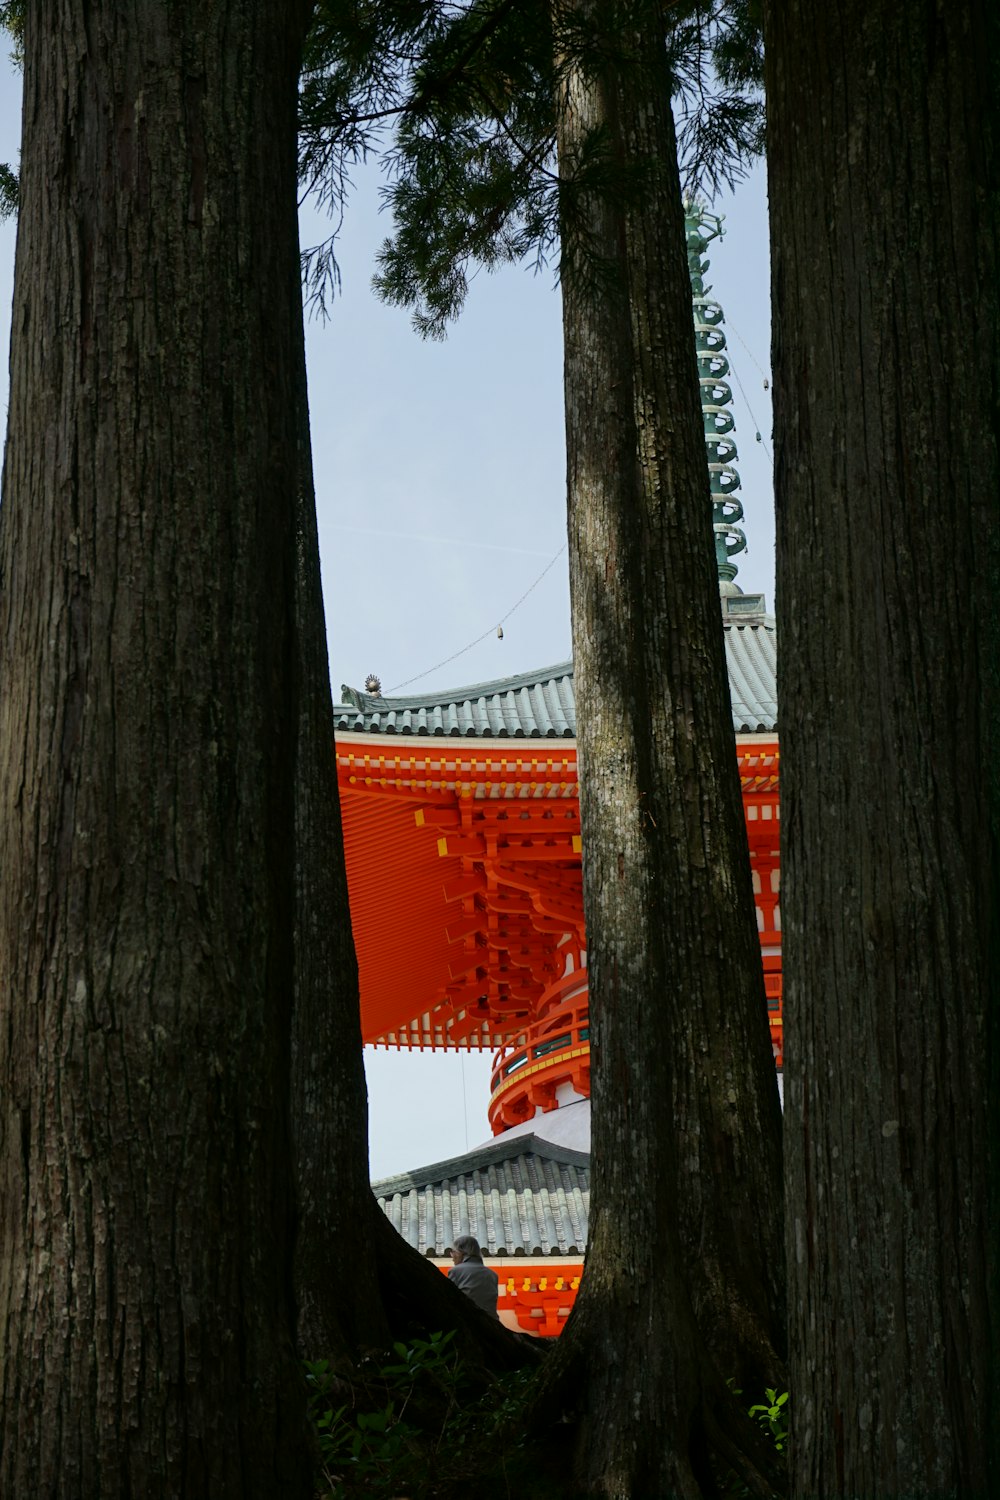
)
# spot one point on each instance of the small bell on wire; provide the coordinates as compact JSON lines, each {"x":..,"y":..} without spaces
{"x":499,"y":632}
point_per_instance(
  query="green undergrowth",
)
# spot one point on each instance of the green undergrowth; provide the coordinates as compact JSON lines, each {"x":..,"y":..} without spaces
{"x":771,"y":1415}
{"x":415,"y":1424}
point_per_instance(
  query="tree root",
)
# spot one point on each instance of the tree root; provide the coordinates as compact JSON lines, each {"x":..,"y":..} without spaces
{"x":419,"y":1301}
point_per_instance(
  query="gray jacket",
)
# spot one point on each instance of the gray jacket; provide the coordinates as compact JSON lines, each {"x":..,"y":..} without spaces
{"x":478,"y":1282}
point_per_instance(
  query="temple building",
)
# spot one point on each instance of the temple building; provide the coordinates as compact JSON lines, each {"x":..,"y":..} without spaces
{"x":462,"y":836}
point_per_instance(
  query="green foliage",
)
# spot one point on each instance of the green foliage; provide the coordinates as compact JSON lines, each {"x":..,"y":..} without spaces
{"x":717,"y":58}
{"x":460,"y":103}
{"x":8,"y":192}
{"x":411,"y":1425}
{"x":473,"y":165}
{"x":352,"y":86}
{"x":12,"y":21}
{"x":772,"y":1417}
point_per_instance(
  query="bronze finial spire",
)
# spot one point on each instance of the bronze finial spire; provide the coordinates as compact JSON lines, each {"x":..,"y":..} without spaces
{"x":716,"y":396}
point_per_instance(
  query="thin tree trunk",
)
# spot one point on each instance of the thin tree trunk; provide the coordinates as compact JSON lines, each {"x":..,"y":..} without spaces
{"x":883,"y":163}
{"x":147,"y":728}
{"x":684,"y":1267}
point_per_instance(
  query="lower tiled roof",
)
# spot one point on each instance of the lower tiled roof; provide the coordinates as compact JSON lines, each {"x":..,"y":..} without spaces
{"x":535,"y":705}
{"x":520,"y":1197}
{"x":752,"y":659}
{"x":542,"y":704}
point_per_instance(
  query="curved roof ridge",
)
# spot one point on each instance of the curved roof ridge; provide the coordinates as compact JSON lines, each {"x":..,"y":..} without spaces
{"x":463,"y":694}
{"x":478,"y":1160}
{"x":541,"y":704}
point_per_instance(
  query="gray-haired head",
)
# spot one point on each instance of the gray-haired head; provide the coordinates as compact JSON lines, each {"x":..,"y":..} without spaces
{"x":468,"y":1247}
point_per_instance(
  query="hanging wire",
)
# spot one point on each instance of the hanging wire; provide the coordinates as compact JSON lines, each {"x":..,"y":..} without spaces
{"x":497,"y":627}
{"x":491,"y":630}
{"x":763,"y":372}
{"x":736,"y":377}
{"x":750,"y":409}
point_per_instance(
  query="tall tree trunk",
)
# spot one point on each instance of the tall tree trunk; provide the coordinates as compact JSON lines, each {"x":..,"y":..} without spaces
{"x":339,"y":1312}
{"x":883,"y":164}
{"x":147,"y":728}
{"x":684,"y":1269}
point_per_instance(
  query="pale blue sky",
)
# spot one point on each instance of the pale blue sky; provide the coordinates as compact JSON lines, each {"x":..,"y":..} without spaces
{"x":441,"y":495}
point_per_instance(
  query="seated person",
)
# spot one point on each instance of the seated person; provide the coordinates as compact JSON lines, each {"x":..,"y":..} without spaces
{"x":472,"y":1277}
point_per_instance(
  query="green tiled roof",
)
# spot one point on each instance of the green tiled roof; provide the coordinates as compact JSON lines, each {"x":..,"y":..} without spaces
{"x":534,"y":705}
{"x":542,"y":705}
{"x":520,"y":1196}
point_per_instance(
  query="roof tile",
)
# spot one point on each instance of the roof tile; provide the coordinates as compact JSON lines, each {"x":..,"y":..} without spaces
{"x":518,"y":1197}
{"x":542,"y":704}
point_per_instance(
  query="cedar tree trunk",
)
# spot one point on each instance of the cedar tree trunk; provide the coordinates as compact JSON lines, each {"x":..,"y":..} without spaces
{"x":684,"y":1277}
{"x":147,"y":755}
{"x":339,"y":1311}
{"x":883,"y":162}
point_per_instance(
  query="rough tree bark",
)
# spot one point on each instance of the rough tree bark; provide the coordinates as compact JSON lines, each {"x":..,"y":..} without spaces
{"x":684,"y":1269}
{"x":883,"y":166}
{"x":147,"y":729}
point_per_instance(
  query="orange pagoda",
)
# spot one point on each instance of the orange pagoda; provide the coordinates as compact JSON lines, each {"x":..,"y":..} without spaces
{"x":462,"y":835}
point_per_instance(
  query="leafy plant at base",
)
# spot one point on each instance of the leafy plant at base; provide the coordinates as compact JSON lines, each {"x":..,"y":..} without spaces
{"x":772,"y":1417}
{"x":408,"y":1429}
